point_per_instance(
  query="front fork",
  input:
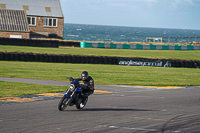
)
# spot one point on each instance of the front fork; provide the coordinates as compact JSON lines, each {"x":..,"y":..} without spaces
{"x":67,"y":94}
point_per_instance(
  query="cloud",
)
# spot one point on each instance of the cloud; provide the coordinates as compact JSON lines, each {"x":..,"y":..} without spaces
{"x":178,"y":3}
{"x":191,"y":2}
{"x":142,"y":13}
{"x":151,"y":3}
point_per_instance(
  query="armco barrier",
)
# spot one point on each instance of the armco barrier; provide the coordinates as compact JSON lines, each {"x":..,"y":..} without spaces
{"x":139,"y":46}
{"x":29,"y":42}
{"x":69,"y":44}
{"x":37,"y":43}
{"x":128,"y":61}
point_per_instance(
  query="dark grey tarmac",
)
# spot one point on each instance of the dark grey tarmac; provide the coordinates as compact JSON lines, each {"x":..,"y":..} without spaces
{"x":130,"y":109}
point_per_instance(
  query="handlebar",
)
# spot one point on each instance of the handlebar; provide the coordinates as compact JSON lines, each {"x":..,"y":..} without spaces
{"x":70,"y":78}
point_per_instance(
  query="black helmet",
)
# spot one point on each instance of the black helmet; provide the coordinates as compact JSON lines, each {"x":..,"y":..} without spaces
{"x":84,"y":75}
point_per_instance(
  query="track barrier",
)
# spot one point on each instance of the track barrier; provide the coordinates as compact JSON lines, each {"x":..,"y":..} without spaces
{"x":127,"y":61}
{"x":139,"y":46}
{"x":37,"y":43}
{"x":57,"y":43}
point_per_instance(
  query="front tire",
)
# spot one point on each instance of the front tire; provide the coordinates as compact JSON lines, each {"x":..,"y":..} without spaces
{"x":63,"y":103}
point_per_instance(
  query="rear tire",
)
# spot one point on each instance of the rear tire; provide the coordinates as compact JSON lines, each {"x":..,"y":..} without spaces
{"x":63,"y":103}
{"x":82,"y":104}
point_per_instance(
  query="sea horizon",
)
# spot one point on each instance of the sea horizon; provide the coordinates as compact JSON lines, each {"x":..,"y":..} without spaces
{"x":134,"y":26}
{"x":92,"y":32}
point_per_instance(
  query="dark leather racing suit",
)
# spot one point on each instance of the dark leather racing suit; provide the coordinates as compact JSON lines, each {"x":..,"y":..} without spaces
{"x":88,"y":86}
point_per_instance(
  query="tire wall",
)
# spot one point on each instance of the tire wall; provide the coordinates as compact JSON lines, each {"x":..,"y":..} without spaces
{"x":37,"y":43}
{"x":31,"y":57}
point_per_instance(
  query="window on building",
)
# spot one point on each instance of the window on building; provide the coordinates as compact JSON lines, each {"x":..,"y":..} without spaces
{"x":48,"y":9}
{"x":32,"y":20}
{"x":26,"y":8}
{"x":50,"y":22}
{"x":3,"y":6}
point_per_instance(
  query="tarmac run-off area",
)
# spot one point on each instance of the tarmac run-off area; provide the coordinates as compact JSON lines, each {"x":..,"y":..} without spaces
{"x":111,"y":109}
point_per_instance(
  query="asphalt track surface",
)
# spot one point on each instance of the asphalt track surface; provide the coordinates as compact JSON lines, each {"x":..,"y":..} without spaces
{"x":129,"y":109}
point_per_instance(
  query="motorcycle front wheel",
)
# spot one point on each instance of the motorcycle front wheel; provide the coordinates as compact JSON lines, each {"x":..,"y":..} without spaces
{"x":82,"y":104}
{"x":63,"y":103}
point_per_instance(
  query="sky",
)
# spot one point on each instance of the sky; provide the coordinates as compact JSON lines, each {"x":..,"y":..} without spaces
{"x":176,"y":14}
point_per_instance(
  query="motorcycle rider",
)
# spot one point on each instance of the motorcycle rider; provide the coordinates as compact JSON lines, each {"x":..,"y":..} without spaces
{"x":88,"y":86}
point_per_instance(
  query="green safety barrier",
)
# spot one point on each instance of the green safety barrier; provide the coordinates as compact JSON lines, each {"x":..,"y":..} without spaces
{"x":113,"y":45}
{"x":85,"y":44}
{"x":139,"y":46}
{"x":165,"y":47}
{"x":153,"y":47}
{"x":190,"y":47}
{"x":100,"y":45}
{"x":126,"y":46}
{"x":177,"y":47}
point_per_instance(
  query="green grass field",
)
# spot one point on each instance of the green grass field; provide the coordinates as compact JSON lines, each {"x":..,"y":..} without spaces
{"x":102,"y":74}
{"x":18,"y":89}
{"x":155,"y":54}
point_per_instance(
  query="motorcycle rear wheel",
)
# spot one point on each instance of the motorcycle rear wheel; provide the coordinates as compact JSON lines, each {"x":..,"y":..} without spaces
{"x":63,"y":103}
{"x":82,"y":104}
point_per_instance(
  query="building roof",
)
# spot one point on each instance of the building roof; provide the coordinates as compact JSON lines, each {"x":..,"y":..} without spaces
{"x":13,"y":20}
{"x":50,"y":8}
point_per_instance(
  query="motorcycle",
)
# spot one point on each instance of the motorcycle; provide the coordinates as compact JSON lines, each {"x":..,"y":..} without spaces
{"x":73,"y":96}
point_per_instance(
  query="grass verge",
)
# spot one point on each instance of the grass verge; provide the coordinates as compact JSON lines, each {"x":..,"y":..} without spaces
{"x":18,"y":89}
{"x":103,"y":74}
{"x":155,"y":54}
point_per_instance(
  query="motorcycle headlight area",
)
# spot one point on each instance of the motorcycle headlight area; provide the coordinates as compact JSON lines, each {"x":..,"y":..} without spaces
{"x":71,"y":87}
